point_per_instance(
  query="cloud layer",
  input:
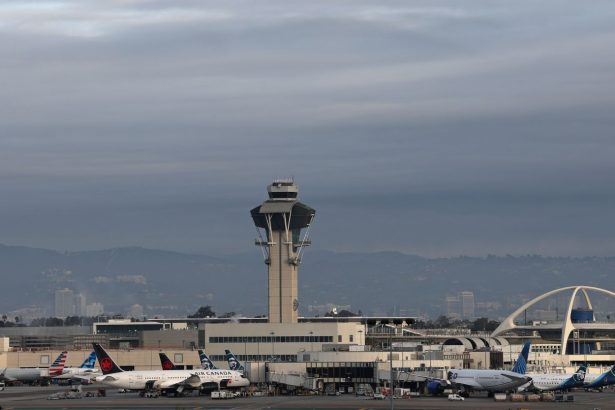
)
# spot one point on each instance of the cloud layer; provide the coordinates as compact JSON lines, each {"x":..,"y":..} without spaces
{"x":436,"y":128}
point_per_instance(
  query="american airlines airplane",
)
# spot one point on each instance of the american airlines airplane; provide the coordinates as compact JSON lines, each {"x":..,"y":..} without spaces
{"x":31,"y":375}
{"x":166,"y":380}
{"x":492,"y":381}
{"x":558,"y":382}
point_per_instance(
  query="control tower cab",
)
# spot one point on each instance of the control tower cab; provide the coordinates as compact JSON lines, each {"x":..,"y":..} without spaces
{"x":286,"y":225}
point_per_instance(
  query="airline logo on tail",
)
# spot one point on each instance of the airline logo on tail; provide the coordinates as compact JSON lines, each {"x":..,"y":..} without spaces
{"x":579,"y":376}
{"x":165,"y":362}
{"x":206,"y":364}
{"x":89,"y":362}
{"x":107,"y":365}
{"x":521,"y":365}
{"x":57,"y":368}
{"x":233,"y":363}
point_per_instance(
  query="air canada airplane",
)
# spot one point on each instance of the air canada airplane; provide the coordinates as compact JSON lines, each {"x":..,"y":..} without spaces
{"x":598,"y":382}
{"x":206,"y":363}
{"x":175,"y":381}
{"x":233,"y":363}
{"x":492,"y":381}
{"x":554,"y":381}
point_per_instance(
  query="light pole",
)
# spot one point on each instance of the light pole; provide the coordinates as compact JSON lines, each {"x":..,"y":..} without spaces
{"x":391,"y":388}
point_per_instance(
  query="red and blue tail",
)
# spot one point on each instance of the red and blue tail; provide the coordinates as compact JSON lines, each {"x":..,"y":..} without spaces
{"x":57,"y":368}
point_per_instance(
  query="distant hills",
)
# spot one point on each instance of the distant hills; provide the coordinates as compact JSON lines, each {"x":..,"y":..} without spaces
{"x":173,"y":284}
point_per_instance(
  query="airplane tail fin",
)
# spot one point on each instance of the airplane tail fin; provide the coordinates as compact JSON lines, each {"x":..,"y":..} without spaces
{"x":57,"y":368}
{"x":89,"y":362}
{"x":206,"y":363}
{"x":166,"y":363}
{"x":580,"y":373}
{"x":233,"y":363}
{"x":521,"y":364}
{"x":107,"y":365}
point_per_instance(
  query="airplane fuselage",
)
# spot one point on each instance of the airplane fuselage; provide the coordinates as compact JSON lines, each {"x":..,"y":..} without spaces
{"x":163,"y":379}
{"x":546,"y":382}
{"x":25,"y":375}
{"x":488,"y":380}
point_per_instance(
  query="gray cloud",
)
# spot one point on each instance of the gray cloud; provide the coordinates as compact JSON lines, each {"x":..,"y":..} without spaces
{"x":445,"y":127}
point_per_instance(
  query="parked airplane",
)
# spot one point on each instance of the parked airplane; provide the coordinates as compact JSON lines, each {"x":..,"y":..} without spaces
{"x":598,"y":382}
{"x":32,"y":375}
{"x":86,"y":371}
{"x":492,"y":381}
{"x":166,"y":380}
{"x":233,"y":363}
{"x":206,"y":363}
{"x":554,"y":381}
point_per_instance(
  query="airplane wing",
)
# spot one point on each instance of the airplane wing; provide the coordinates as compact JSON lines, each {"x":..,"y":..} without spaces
{"x":520,"y":378}
{"x":85,"y":377}
{"x":194,"y":381}
{"x":471,"y":383}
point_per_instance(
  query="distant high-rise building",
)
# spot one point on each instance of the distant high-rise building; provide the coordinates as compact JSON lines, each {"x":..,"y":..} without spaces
{"x":80,"y":305}
{"x":453,"y":307}
{"x":94,"y":309}
{"x":64,"y":303}
{"x":467,"y":305}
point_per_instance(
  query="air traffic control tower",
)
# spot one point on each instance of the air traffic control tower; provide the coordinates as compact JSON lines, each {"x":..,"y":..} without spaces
{"x":286,"y":223}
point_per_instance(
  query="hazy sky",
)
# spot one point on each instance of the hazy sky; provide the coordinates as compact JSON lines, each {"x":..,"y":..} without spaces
{"x":429,"y":127}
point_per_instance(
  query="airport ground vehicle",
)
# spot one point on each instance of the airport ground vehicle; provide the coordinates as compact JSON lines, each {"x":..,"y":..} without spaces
{"x":2,"y":386}
{"x":455,"y":397}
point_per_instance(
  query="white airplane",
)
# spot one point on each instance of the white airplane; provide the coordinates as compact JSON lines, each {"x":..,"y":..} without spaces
{"x":32,"y":375}
{"x":166,"y":380}
{"x":492,"y":381}
{"x":600,"y":381}
{"x":86,"y":371}
{"x":558,"y":382}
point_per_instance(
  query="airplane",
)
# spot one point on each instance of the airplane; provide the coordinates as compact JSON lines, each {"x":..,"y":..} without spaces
{"x":233,"y":363}
{"x":32,"y":375}
{"x":492,"y":381}
{"x":85,"y":372}
{"x":206,"y":363}
{"x":167,"y":381}
{"x":558,"y":382}
{"x":599,"y":382}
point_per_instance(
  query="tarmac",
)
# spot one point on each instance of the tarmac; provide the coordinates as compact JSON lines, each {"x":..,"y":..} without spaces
{"x":15,"y":398}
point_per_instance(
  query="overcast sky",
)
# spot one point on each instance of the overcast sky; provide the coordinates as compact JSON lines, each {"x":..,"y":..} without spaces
{"x":437,"y":128}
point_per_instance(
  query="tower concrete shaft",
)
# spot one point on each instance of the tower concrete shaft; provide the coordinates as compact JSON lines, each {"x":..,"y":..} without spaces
{"x":285,"y":222}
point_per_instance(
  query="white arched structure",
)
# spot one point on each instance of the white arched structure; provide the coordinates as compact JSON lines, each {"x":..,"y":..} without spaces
{"x":567,"y":326}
